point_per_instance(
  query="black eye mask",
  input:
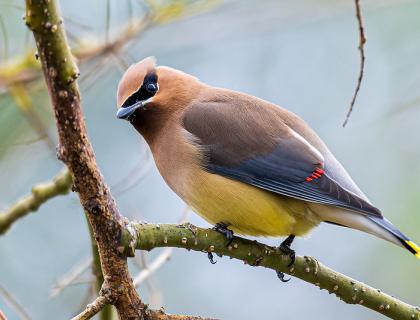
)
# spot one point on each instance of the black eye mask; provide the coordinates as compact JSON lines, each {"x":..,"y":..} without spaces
{"x":147,"y":90}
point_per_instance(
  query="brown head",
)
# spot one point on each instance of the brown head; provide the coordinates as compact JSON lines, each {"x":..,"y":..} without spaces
{"x":149,"y":95}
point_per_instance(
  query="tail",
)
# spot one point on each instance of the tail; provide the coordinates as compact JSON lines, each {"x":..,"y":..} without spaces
{"x":377,"y":226}
{"x":403,"y":239}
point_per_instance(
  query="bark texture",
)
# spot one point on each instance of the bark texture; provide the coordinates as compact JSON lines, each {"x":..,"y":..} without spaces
{"x":75,"y":150}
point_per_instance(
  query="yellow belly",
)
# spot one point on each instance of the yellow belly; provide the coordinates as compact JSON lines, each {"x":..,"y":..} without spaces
{"x":246,"y":209}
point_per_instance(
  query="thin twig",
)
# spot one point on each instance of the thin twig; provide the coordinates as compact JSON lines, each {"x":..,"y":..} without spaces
{"x":162,"y":258}
{"x":14,"y":304}
{"x":107,"y":20}
{"x":70,"y":277}
{"x":129,"y":10}
{"x":135,"y":175}
{"x":23,"y":101}
{"x":155,"y":296}
{"x":24,"y":143}
{"x":91,"y":294}
{"x":161,"y":315}
{"x":121,"y":63}
{"x":92,"y":309}
{"x":5,"y":39}
{"x":362,"y":41}
{"x":107,"y":312}
{"x":141,"y":261}
{"x":150,"y":269}
{"x":25,"y":70}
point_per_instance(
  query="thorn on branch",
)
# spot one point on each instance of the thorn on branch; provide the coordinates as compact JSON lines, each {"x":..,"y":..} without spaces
{"x":362,"y":41}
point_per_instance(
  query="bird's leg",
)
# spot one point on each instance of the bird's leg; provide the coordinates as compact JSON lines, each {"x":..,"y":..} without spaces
{"x":285,"y":248}
{"x":222,"y":228}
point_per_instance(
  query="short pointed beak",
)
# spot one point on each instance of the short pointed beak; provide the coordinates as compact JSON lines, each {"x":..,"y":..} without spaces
{"x":126,"y":112}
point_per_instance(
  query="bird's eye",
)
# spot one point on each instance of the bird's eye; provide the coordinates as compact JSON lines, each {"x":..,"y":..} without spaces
{"x":151,"y":88}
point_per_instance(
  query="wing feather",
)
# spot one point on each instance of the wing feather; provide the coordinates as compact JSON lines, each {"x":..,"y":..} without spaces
{"x":249,"y":142}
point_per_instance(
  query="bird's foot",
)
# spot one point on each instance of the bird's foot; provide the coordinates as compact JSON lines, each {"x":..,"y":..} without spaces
{"x":210,"y":256}
{"x":280,"y":275}
{"x":285,"y":248}
{"x":222,"y":228}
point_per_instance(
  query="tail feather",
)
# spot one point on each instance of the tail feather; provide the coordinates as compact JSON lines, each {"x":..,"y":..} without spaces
{"x":412,"y":247}
{"x":375,"y":225}
{"x":403,"y":239}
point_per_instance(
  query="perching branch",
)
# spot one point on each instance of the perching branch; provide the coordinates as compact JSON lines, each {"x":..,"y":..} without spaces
{"x":41,"y":193}
{"x":362,"y":41}
{"x":149,"y":236}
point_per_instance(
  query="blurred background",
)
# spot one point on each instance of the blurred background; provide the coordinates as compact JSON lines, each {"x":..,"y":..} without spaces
{"x":299,"y":54}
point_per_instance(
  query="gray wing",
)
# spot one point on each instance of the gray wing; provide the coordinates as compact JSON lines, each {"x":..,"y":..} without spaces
{"x":246,"y":139}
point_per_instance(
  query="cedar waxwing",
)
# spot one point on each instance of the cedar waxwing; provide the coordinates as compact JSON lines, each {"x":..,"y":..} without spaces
{"x":244,"y":164}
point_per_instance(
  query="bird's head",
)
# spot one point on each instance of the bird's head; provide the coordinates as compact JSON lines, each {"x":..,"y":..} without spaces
{"x":147,"y":90}
{"x":137,"y":88}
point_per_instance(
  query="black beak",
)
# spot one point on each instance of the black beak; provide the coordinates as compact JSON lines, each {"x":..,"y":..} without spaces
{"x":126,"y":112}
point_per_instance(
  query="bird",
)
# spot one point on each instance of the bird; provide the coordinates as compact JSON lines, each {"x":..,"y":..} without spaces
{"x":245,"y":165}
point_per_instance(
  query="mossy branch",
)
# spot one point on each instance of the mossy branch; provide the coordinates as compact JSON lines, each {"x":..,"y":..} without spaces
{"x":149,"y":236}
{"x":41,"y":193}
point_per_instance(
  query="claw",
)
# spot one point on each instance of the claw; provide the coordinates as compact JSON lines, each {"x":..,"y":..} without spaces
{"x":222,"y":228}
{"x":210,"y":256}
{"x":280,"y":275}
{"x":285,"y":248}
